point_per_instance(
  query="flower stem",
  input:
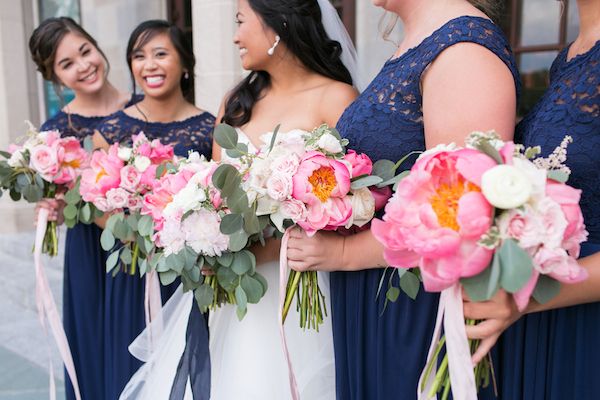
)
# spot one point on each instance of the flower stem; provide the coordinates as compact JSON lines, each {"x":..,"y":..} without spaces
{"x":294,"y":278}
{"x":136,"y":252}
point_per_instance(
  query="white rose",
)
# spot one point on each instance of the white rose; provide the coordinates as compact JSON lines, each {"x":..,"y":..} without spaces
{"x":279,"y":186}
{"x":142,"y":163}
{"x":124,"y":153}
{"x":329,"y":143}
{"x":505,"y":187}
{"x":363,"y":207}
{"x":17,"y":159}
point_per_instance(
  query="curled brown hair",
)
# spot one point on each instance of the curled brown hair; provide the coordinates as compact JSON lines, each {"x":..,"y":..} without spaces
{"x":46,"y":38}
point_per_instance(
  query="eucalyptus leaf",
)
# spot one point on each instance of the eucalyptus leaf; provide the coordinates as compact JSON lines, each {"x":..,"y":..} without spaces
{"x":112,"y":261}
{"x":132,"y":221}
{"x":227,"y":278}
{"x":231,"y":223}
{"x":226,"y":259}
{"x":384,"y":169}
{"x":194,"y":275}
{"x":88,"y":144}
{"x":237,"y":201}
{"x":366,"y":182}
{"x":395,"y":180}
{"x":253,"y":288}
{"x":251,"y":222}
{"x":32,"y":193}
{"x":145,"y":225}
{"x":262,"y":281}
{"x":14,"y":195}
{"x":107,"y":240}
{"x":126,"y":255}
{"x":70,"y":211}
{"x":485,"y":147}
{"x":546,"y":289}
{"x":204,"y":296}
{"x":231,"y":186}
{"x":558,"y":176}
{"x":168,"y":277}
{"x":516,"y":266}
{"x":242,"y":263}
{"x":220,"y":175}
{"x":392,"y":293}
{"x":226,"y":136}
{"x":240,"y":150}
{"x":410,"y":284}
{"x":238,"y":240}
{"x":241,"y":312}
{"x":85,"y":214}
{"x":240,"y":297}
{"x":72,"y":196}
{"x":274,"y":137}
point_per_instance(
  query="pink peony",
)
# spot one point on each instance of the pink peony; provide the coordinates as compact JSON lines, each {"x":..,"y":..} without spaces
{"x":361,"y":163}
{"x":72,"y":158}
{"x":323,"y":185}
{"x":103,"y":174}
{"x":162,"y":194}
{"x":436,"y":218}
{"x":160,"y":153}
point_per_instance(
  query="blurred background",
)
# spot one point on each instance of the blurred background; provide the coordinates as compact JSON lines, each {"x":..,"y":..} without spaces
{"x":537,"y":30}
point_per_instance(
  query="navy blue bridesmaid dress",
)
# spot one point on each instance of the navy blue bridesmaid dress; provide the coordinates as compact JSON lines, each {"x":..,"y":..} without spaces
{"x":83,"y":285}
{"x":555,"y":355}
{"x":380,"y":355}
{"x":124,"y":316}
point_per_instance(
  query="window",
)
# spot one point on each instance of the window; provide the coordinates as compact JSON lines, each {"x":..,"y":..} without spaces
{"x":347,"y":11}
{"x":538,"y":30}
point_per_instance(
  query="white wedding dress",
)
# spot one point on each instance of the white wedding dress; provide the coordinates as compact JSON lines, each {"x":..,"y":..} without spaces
{"x":247,"y":358}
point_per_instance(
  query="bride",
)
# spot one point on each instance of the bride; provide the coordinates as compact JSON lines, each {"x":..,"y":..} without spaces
{"x":298,"y":81}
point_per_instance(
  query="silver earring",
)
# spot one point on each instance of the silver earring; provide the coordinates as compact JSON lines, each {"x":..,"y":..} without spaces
{"x":271,"y":51}
{"x":186,"y":75}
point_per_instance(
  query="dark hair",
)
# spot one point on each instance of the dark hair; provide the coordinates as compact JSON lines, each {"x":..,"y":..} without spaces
{"x":146,"y":31}
{"x":298,"y":24}
{"x":46,"y":38}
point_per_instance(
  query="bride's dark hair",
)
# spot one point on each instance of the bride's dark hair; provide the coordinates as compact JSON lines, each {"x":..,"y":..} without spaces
{"x":298,"y":24}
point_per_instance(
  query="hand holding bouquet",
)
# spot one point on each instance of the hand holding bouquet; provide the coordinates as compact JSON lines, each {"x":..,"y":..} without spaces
{"x":487,"y":217}
{"x":42,"y":167}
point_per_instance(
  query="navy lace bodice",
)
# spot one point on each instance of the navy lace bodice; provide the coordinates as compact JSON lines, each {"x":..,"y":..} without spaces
{"x":386,"y":120}
{"x":80,"y":126}
{"x":571,"y":106}
{"x":191,"y":134}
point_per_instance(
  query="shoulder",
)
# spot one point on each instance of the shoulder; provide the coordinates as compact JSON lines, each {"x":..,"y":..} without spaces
{"x":56,"y":122}
{"x":335,"y":98}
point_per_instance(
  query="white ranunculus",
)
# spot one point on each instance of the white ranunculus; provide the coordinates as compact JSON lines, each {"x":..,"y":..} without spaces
{"x":329,"y":143}
{"x":363,"y":207}
{"x":506,"y":187}
{"x":535,"y":175}
{"x":142,"y":163}
{"x":124,"y":153}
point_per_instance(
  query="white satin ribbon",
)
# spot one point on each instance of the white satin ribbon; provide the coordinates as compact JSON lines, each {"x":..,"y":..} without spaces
{"x":47,"y":311}
{"x":153,"y":308}
{"x":283,"y":267}
{"x":462,"y":377}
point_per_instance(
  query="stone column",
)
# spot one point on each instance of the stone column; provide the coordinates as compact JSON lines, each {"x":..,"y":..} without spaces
{"x":18,"y":97}
{"x":217,"y":58}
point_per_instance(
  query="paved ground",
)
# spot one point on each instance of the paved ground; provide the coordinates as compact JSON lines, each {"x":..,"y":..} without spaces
{"x":23,"y":346}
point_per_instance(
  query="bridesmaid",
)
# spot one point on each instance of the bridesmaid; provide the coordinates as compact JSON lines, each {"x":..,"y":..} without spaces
{"x":435,"y":89}
{"x":555,"y":354}
{"x":161,"y":63}
{"x":66,"y":55}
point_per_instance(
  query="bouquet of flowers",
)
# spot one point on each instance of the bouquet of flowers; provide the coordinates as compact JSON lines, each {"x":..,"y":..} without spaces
{"x":187,"y":211}
{"x":485,"y":217}
{"x":299,"y":178}
{"x":44,"y":166}
{"x":115,"y":183}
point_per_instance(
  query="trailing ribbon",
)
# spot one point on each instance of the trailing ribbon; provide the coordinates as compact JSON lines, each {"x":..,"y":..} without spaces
{"x":195,"y":360}
{"x":47,"y":310}
{"x":153,"y":308}
{"x":282,"y":289}
{"x":462,"y":378}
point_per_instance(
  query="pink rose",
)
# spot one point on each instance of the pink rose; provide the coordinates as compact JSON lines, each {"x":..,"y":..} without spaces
{"x":287,"y":165}
{"x":134,"y":203}
{"x":44,"y":160}
{"x":361,"y":163}
{"x":117,"y":198}
{"x":279,"y":186}
{"x":568,"y":198}
{"x":130,"y":178}
{"x":293,"y":209}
